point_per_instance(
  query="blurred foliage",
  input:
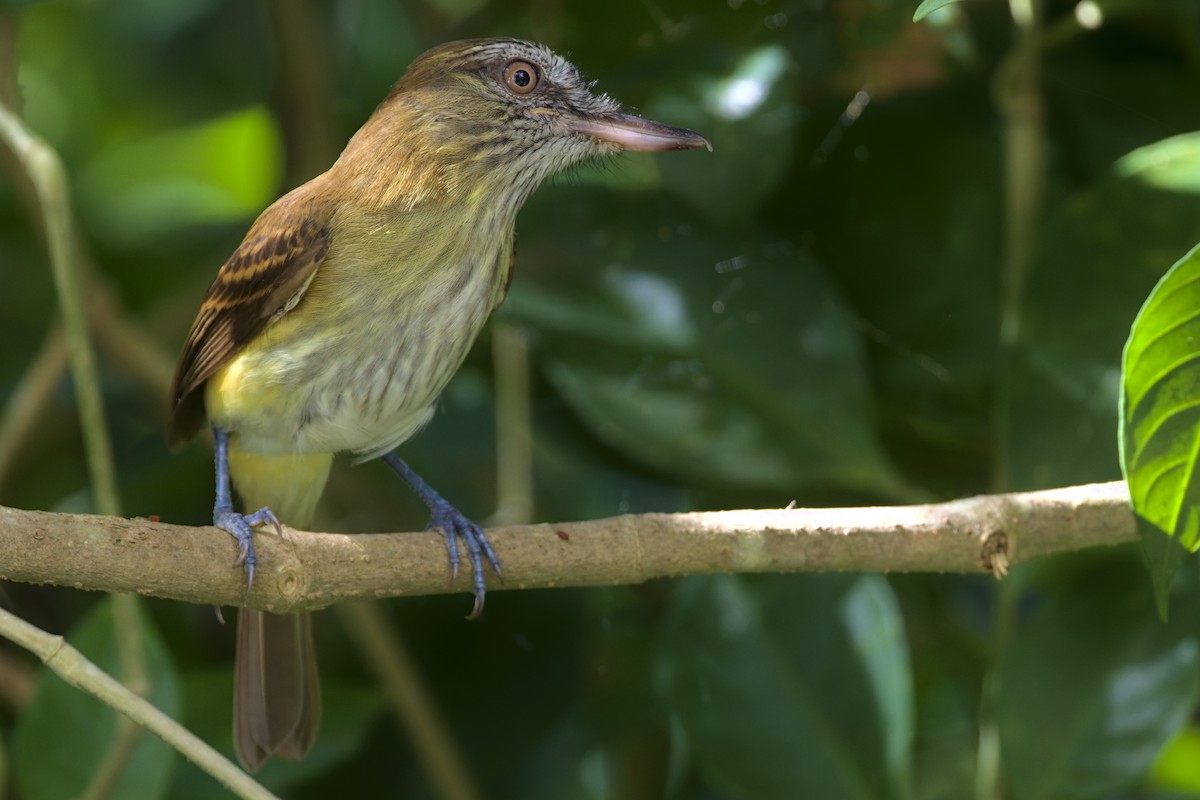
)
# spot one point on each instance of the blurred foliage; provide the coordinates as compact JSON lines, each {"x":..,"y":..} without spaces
{"x":60,"y":720}
{"x":811,"y":313}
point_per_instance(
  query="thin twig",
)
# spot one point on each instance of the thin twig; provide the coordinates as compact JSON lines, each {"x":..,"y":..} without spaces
{"x":71,"y":665}
{"x":1018,"y":94}
{"x":135,"y":677}
{"x":514,"y":426}
{"x":127,"y":345}
{"x":1018,"y":90}
{"x":52,"y":203}
{"x":45,"y":170}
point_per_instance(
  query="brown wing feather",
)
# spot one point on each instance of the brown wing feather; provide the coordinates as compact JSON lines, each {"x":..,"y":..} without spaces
{"x":264,"y":278}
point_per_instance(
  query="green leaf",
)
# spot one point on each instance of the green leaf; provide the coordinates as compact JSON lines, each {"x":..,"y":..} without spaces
{"x":791,"y":686}
{"x":876,"y":627}
{"x":931,"y":366}
{"x":1172,"y":164}
{"x":946,"y":747}
{"x":927,"y":7}
{"x":221,"y":170}
{"x":1176,"y":767}
{"x":1163,"y":557}
{"x":1092,"y":687}
{"x":1159,"y":428}
{"x":705,"y":358}
{"x":751,"y":117}
{"x":61,"y":738}
{"x":1160,"y":408}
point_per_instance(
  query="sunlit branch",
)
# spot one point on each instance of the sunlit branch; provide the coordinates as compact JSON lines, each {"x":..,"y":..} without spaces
{"x":314,"y":570}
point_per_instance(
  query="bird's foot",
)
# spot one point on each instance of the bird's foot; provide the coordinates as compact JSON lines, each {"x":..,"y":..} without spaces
{"x":241,"y":527}
{"x":454,"y":526}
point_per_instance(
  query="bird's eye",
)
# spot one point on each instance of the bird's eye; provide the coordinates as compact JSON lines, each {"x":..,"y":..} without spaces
{"x":521,"y":77}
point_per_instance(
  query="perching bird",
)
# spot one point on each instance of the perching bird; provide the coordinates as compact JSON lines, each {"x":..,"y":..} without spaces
{"x":352,"y":301}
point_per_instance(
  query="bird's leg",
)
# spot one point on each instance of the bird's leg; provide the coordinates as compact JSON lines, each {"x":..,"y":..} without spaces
{"x":241,"y":526}
{"x":454,"y":524}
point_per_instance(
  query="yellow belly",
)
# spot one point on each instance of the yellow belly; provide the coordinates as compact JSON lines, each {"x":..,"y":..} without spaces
{"x":328,"y":392}
{"x":357,"y":365}
{"x":325,"y":379}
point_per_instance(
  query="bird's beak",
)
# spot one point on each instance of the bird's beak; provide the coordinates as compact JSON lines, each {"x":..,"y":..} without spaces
{"x":636,"y":133}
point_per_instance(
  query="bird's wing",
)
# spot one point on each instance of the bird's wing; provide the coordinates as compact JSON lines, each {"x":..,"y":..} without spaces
{"x":263,"y":280}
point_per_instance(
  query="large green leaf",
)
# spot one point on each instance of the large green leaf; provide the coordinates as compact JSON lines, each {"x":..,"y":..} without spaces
{"x":910,"y":242}
{"x":751,"y":117}
{"x":791,"y":686}
{"x":61,"y":738}
{"x":1160,"y":417}
{"x":220,"y":170}
{"x":1163,"y":557}
{"x":704,"y":357}
{"x":871,"y":614}
{"x":927,"y":7}
{"x":1176,"y":767}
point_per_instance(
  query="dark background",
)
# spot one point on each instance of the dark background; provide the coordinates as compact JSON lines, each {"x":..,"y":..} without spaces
{"x":813,"y":312}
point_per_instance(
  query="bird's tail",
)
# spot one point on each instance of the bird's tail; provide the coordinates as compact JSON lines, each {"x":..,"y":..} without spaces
{"x":277,"y":697}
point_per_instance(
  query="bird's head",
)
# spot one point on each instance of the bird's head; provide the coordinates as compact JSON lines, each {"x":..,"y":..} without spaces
{"x":503,"y":114}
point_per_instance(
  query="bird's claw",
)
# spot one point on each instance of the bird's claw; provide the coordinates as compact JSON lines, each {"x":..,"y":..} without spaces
{"x":454,"y":525}
{"x":241,"y":527}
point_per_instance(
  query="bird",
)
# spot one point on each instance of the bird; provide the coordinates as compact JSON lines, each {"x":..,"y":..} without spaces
{"x":352,"y":301}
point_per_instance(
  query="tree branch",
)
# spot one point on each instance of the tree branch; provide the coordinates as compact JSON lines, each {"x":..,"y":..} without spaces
{"x":74,"y":668}
{"x":314,"y":570}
